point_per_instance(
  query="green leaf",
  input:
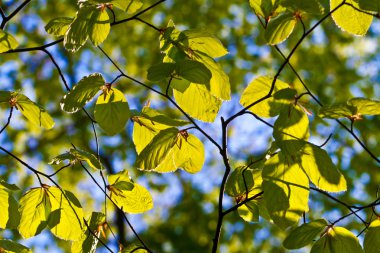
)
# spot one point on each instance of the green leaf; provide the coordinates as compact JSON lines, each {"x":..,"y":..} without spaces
{"x":198,"y":102}
{"x":88,"y":242}
{"x":99,"y":27}
{"x":365,"y":106}
{"x":7,"y":42}
{"x":87,"y":157}
{"x":112,"y":111}
{"x":310,"y":6}
{"x":138,"y":200}
{"x":121,"y":181}
{"x":242,"y":180}
{"x":9,"y":187}
{"x":77,"y":33}
{"x":8,"y":246}
{"x":350,"y":20}
{"x":337,"y":240}
{"x":371,"y":239}
{"x":82,"y":93}
{"x":193,"y":71}
{"x":257,"y":89}
{"x":249,"y":212}
{"x":280,"y":28}
{"x":304,"y":234}
{"x":205,"y":42}
{"x":130,"y":6}
{"x":320,"y":169}
{"x":286,"y":190}
{"x":5,"y":96}
{"x":66,"y":217}
{"x":62,"y":157}
{"x":266,"y":8}
{"x":32,"y":111}
{"x":336,"y":111}
{"x":58,"y":26}
{"x":161,"y":71}
{"x":35,"y":209}
{"x":9,"y":217}
{"x":134,"y":248}
{"x":372,"y":5}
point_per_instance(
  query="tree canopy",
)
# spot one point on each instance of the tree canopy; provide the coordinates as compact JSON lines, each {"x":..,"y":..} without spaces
{"x":198,"y":126}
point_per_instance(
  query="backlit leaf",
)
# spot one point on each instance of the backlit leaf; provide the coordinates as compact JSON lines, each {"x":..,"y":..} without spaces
{"x":87,"y":157}
{"x":280,"y":28}
{"x":99,"y":27}
{"x":336,"y":111}
{"x":138,"y":200}
{"x":371,"y":239}
{"x":82,"y":93}
{"x":364,"y":106}
{"x":134,"y":248}
{"x":58,"y":26}
{"x":121,"y":181}
{"x":369,"y":5}
{"x":9,"y":217}
{"x":349,"y":19}
{"x":304,"y":234}
{"x":8,"y":246}
{"x":249,"y":212}
{"x":242,"y":180}
{"x":266,"y":8}
{"x":160,"y":71}
{"x":310,"y":6}
{"x":7,"y":41}
{"x":193,"y":71}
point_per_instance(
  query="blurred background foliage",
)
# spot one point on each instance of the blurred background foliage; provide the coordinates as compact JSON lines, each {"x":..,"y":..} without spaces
{"x":335,"y":65}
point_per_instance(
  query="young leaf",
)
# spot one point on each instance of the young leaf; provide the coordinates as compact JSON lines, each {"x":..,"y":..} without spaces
{"x":138,"y":200}
{"x":35,"y":209}
{"x":320,"y":169}
{"x":87,"y":157}
{"x":66,"y":217}
{"x":8,"y":246}
{"x":280,"y":28}
{"x":121,"y":181}
{"x":112,"y":111}
{"x":371,"y":239}
{"x":304,"y":234}
{"x":365,"y":106}
{"x":88,"y":242}
{"x":337,"y":240}
{"x":32,"y":111}
{"x":129,"y":6}
{"x":286,"y":190}
{"x":99,"y":26}
{"x":82,"y":93}
{"x":243,"y":180}
{"x":249,"y":212}
{"x":7,"y":42}
{"x":349,"y":19}
{"x":257,"y":89}
{"x":9,"y":217}
{"x":266,"y":8}
{"x":198,"y":102}
{"x":58,"y":26}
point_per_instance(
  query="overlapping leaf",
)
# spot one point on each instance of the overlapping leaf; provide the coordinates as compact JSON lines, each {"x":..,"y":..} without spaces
{"x":266,"y":8}
{"x":58,"y":26}
{"x":310,"y":6}
{"x":8,"y":246}
{"x":7,"y":41}
{"x":9,"y":217}
{"x":112,"y":111}
{"x":75,"y":155}
{"x":371,"y":239}
{"x":82,"y":93}
{"x":243,"y":180}
{"x":129,"y":6}
{"x":280,"y":28}
{"x":373,"y":5}
{"x":249,"y":212}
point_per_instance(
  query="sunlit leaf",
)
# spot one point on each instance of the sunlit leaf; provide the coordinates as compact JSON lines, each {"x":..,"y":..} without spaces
{"x":7,"y":41}
{"x":304,"y":234}
{"x":62,"y":157}
{"x":99,"y":27}
{"x":336,"y":111}
{"x":266,"y":8}
{"x":349,"y":19}
{"x":82,"y":93}
{"x":88,"y":242}
{"x":242,"y":180}
{"x":5,"y":96}
{"x":365,"y":106}
{"x":58,"y":26}
{"x":87,"y":157}
{"x":193,"y":71}
{"x":9,"y":217}
{"x":121,"y":181}
{"x":112,"y":111}
{"x":249,"y":212}
{"x":9,"y":187}
{"x":310,"y":6}
{"x":134,"y":248}
{"x":286,"y":190}
{"x":337,"y":240}
{"x":280,"y":28}
{"x":257,"y":89}
{"x":66,"y":217}
{"x":371,"y":239}
{"x":35,"y":209}
{"x":8,"y":246}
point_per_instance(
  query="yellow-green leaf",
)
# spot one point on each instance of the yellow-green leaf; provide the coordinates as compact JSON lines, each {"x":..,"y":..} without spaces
{"x":87,"y":157}
{"x":266,"y":8}
{"x":337,"y":240}
{"x":304,"y":234}
{"x":35,"y":209}
{"x":259,"y":88}
{"x":99,"y":27}
{"x":249,"y":212}
{"x":121,"y":181}
{"x":310,"y":6}
{"x":7,"y":41}
{"x":9,"y":217}
{"x":112,"y":111}
{"x":365,"y":106}
{"x":286,"y":190}
{"x":8,"y":246}
{"x":77,"y":34}
{"x":66,"y":217}
{"x":371,"y":239}
{"x":349,"y":19}
{"x":58,"y":26}
{"x":243,"y":180}
{"x":280,"y":28}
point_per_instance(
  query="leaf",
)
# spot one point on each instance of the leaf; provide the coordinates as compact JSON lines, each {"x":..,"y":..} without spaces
{"x":62,"y":157}
{"x":134,"y":248}
{"x":280,"y":28}
{"x":353,"y":109}
{"x":32,"y":111}
{"x":249,"y":212}
{"x":87,"y":157}
{"x":82,"y":93}
{"x":193,"y":71}
{"x":35,"y":209}
{"x":205,"y":42}
{"x":99,"y":27}
{"x":286,"y":190}
{"x":66,"y":217}
{"x":9,"y":217}
{"x":373,"y":5}
{"x":58,"y":26}
{"x":138,"y":200}
{"x":157,"y":150}
{"x":310,"y":6}
{"x":365,"y":106}
{"x":259,"y":88}
{"x":266,"y":8}
{"x":121,"y":181}
{"x":8,"y":187}
{"x":304,"y":234}
{"x":112,"y":111}
{"x":88,"y":242}
{"x":130,"y":6}
{"x":337,"y":240}
{"x":8,"y":246}
{"x":77,"y":33}
{"x":320,"y":169}
{"x":350,"y":20}
{"x":198,"y":102}
{"x":336,"y":111}
{"x":371,"y":239}
{"x":7,"y":41}
{"x":242,"y":180}
{"x":5,"y":96}
{"x":160,"y":71}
